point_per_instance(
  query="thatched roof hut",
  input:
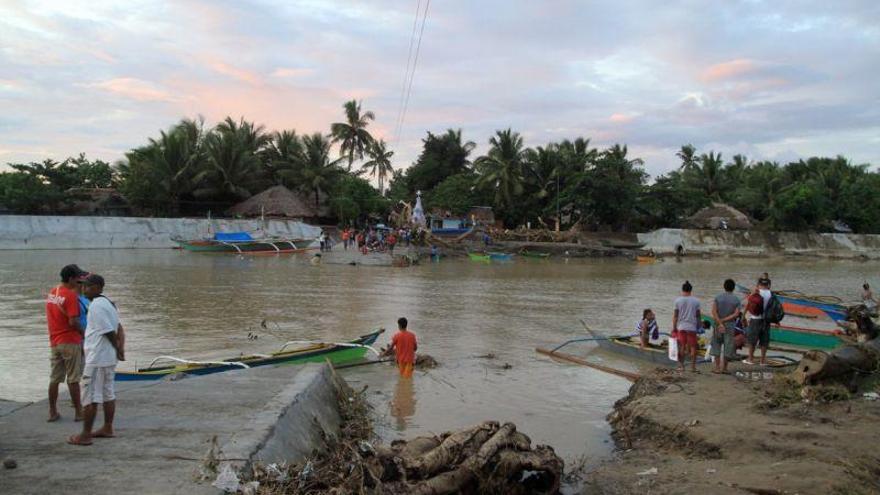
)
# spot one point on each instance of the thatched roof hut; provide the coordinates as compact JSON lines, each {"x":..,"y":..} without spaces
{"x":280,"y":202}
{"x":718,"y":214}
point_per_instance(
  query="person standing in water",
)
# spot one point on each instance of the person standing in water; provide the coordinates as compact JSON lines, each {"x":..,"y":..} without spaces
{"x":405,"y":346}
{"x":868,"y":298}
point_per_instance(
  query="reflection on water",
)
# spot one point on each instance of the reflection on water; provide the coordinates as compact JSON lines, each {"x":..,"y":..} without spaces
{"x":403,"y":405}
{"x":204,"y":307}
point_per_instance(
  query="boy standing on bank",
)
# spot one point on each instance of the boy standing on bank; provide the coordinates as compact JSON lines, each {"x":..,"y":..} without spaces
{"x":405,"y":346}
{"x":102,"y":349}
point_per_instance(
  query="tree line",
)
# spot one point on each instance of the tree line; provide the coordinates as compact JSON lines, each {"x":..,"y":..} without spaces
{"x":190,"y":169}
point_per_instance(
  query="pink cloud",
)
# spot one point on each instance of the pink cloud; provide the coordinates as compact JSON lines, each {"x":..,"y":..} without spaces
{"x":135,"y":89}
{"x":236,"y":73}
{"x":620,"y":118}
{"x":287,"y":72}
{"x":729,"y":70}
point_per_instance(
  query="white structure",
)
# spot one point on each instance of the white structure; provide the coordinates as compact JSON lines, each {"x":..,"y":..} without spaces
{"x":418,"y":214}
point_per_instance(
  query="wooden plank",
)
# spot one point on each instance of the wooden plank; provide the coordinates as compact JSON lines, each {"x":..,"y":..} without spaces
{"x":576,"y":360}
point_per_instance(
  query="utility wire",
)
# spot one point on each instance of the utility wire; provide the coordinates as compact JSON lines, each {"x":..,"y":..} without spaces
{"x":413,"y":74}
{"x":412,"y":39}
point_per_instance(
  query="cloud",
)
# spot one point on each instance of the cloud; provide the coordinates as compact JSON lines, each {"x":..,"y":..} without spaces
{"x":730,"y":70}
{"x":135,"y":89}
{"x":761,"y":77}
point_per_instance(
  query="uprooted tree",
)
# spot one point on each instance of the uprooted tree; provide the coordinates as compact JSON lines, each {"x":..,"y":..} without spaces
{"x":863,"y":357}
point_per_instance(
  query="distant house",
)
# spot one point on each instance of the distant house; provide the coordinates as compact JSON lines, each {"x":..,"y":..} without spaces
{"x":98,"y":201}
{"x":281,"y":202}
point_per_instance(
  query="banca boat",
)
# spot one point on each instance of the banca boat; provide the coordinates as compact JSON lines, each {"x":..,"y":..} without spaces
{"x":797,"y":303}
{"x":496,"y":256}
{"x":308,"y":352}
{"x":242,"y":243}
{"x":534,"y":254}
{"x":807,"y":337}
{"x":479,"y":257}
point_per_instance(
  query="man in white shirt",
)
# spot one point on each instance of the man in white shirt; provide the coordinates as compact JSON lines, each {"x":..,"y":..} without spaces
{"x":101,"y":347}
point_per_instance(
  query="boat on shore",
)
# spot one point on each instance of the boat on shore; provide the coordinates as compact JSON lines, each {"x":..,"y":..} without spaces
{"x":797,"y":303}
{"x":308,"y":352}
{"x":646,"y":259}
{"x":242,"y":243}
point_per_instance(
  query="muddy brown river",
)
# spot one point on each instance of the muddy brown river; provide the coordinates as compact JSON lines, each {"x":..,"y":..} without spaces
{"x":204,"y":306}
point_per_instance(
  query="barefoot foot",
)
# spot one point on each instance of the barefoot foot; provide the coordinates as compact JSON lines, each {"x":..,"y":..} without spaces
{"x":78,"y":440}
{"x":103,"y":433}
{"x":53,"y":417}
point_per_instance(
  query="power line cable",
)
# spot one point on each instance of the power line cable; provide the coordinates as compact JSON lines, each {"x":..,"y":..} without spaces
{"x":412,"y":39}
{"x":413,"y":75}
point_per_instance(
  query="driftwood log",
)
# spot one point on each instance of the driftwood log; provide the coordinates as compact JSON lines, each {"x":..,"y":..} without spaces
{"x":862,"y":357}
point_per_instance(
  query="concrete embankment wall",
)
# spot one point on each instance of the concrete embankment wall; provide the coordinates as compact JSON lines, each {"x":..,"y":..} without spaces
{"x":750,"y":243}
{"x":58,"y":232}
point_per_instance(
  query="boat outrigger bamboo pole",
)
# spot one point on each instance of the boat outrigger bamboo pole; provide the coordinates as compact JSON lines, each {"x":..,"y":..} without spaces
{"x":583,"y":362}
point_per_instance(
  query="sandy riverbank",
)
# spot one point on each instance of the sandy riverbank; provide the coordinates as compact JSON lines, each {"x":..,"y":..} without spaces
{"x":721,"y":434}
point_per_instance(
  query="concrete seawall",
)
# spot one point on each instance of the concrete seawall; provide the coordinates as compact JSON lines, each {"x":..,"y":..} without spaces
{"x":164,"y":431}
{"x":751,"y":243}
{"x":58,"y":232}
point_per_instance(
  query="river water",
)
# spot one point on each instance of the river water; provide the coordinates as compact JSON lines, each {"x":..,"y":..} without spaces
{"x":204,"y":306}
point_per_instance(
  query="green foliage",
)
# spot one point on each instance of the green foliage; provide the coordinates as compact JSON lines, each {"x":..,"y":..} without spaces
{"x":354,"y":200}
{"x":21,"y":192}
{"x":801,"y":206}
{"x":352,"y":135}
{"x":441,"y":156}
{"x":457,"y":194}
{"x":50,"y":186}
{"x":860,"y":204}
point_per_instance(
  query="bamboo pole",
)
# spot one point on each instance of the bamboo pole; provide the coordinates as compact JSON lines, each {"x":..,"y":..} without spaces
{"x":583,"y":362}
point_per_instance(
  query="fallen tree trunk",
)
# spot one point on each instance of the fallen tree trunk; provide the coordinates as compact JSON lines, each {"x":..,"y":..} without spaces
{"x":817,"y":366}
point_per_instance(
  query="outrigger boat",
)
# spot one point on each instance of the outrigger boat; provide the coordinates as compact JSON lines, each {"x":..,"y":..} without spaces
{"x":807,"y":337}
{"x":479,"y":257}
{"x":796,"y":303}
{"x":534,"y":254}
{"x":242,"y":243}
{"x":496,"y":256}
{"x":309,"y":352}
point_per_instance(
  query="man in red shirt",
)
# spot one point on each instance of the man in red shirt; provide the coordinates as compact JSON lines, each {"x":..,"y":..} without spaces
{"x":405,"y":346}
{"x":65,"y":339}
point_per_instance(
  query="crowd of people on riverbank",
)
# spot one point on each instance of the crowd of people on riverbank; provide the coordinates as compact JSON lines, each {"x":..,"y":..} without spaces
{"x":373,"y":239}
{"x":732,"y":323}
{"x":86,"y":341}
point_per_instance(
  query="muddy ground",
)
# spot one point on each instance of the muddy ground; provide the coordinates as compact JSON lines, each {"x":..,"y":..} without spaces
{"x":724,"y":434}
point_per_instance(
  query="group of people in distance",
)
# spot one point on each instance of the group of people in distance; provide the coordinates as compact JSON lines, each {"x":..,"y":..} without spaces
{"x":736,"y":323}
{"x":380,"y":240}
{"x":86,"y":341}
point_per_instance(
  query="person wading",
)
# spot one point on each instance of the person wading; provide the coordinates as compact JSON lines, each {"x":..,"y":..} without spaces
{"x":65,"y":339}
{"x":685,"y":322}
{"x":726,"y":308}
{"x":405,"y":346}
{"x":102,"y":350}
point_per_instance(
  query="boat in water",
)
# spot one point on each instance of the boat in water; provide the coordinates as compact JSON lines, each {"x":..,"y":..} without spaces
{"x":807,"y":337}
{"x":307,"y":352}
{"x":496,"y":256}
{"x":483,"y":257}
{"x":243,"y":243}
{"x":534,"y":254}
{"x":797,"y":303}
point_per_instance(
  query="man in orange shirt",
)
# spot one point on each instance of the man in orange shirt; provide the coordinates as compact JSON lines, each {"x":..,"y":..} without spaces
{"x":65,"y":339}
{"x":405,"y":346}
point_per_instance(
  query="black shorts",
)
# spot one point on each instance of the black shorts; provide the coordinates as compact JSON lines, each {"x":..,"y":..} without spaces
{"x":758,"y":333}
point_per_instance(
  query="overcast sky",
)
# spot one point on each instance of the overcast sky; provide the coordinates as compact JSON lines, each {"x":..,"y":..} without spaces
{"x":773,"y":80}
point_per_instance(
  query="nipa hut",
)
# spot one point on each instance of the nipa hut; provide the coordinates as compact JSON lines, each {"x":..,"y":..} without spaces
{"x":720,"y":216}
{"x":281,"y":202}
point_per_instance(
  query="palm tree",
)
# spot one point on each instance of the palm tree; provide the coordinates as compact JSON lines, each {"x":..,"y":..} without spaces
{"x":502,"y":167}
{"x":688,"y":156}
{"x":282,"y":153}
{"x":710,"y":175}
{"x":316,"y":171}
{"x":352,"y":134}
{"x":234,"y":168}
{"x":173,"y":161}
{"x":380,"y":163}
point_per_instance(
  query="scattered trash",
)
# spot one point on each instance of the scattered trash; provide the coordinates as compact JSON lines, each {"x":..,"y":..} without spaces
{"x":693,"y":422}
{"x":648,"y":472}
{"x":711,"y":471}
{"x":306,"y":471}
{"x":10,"y":463}
{"x":871,"y":395}
{"x":227,"y":480}
{"x":275,"y":473}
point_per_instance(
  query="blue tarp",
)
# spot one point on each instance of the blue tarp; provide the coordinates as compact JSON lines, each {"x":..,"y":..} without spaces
{"x":232,"y":236}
